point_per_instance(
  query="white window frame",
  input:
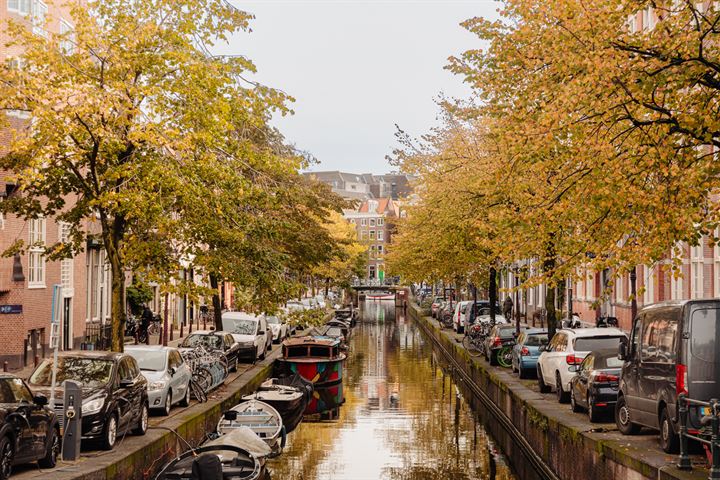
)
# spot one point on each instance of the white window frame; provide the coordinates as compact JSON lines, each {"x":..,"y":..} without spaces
{"x":363,"y":222}
{"x":36,"y":252}
{"x":380,"y":222}
{"x":380,"y":249}
{"x":39,"y":20}
{"x":67,"y":270}
{"x":716,"y":268}
{"x":372,"y":222}
{"x":619,"y":292}
{"x":67,"y":44}
{"x":372,"y":234}
{"x":21,"y":7}
{"x":380,"y":235}
{"x":697,"y":264}
{"x":589,"y":285}
{"x":649,"y":295}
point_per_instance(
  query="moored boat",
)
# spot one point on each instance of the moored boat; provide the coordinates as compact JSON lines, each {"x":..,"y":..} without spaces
{"x":380,"y":296}
{"x":289,"y":401}
{"x":317,"y":359}
{"x":259,"y":417}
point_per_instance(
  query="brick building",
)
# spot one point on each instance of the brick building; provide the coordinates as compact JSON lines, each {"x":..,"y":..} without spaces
{"x":373,"y":221}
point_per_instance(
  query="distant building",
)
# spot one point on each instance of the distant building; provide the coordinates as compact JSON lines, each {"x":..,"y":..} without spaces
{"x":374,"y":222}
{"x":366,"y":186}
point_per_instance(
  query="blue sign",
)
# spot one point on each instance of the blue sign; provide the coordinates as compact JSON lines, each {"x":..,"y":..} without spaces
{"x":10,"y":309}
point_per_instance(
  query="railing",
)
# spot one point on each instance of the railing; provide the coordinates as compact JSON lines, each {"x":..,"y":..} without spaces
{"x":97,"y":337}
{"x":713,"y":443}
{"x":375,"y":282}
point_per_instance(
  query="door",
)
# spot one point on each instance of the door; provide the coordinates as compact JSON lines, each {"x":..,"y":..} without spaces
{"x":67,"y":324}
{"x":124,"y":395}
{"x":18,"y":401}
{"x":178,"y":382}
{"x":654,"y":363}
{"x":554,"y":357}
{"x":581,"y":385}
{"x":631,"y":367}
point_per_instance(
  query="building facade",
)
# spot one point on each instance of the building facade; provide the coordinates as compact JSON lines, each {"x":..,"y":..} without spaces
{"x":366,"y":186}
{"x":373,"y":221}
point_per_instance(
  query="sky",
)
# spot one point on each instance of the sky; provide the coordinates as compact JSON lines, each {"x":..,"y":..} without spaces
{"x":356,"y":68}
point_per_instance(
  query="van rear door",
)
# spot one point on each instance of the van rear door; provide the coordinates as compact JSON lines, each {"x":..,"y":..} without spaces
{"x":704,"y":352}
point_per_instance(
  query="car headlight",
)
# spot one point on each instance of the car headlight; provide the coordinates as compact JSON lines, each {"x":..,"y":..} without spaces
{"x":93,"y":406}
{"x":156,"y":386}
{"x":248,"y":344}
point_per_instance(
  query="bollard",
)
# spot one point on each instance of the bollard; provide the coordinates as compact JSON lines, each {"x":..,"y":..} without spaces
{"x":147,"y":337}
{"x":715,"y":440}
{"x":684,"y":460}
{"x":182,"y":328}
{"x":5,"y":366}
{"x":204,"y":322}
{"x":190,"y":328}
{"x":171,"y":332}
{"x":37,"y":360}
{"x":160,"y":338}
{"x":135,"y":336}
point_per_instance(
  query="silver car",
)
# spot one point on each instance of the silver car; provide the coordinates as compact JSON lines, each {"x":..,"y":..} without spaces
{"x":167,"y":373}
{"x":279,"y":328}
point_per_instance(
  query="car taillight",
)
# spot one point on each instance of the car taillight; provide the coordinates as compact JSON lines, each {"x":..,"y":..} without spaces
{"x":476,"y":328}
{"x":573,"y":360}
{"x":524,"y":351}
{"x":497,"y":342}
{"x":604,"y":377}
{"x":681,"y":379}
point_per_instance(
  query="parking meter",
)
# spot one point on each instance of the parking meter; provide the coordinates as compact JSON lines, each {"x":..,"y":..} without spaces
{"x":72,"y":420}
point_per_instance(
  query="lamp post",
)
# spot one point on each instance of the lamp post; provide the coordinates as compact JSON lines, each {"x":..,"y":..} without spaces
{"x":633,"y":294}
{"x":517,"y":299}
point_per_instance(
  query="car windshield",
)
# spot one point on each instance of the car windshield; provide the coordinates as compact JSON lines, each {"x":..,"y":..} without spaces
{"x":241,"y":326}
{"x":12,"y":390}
{"x":587,"y":344}
{"x":211,"y":341}
{"x":150,"y":360}
{"x":536,"y":340}
{"x":273,"y":320}
{"x":90,"y":372}
{"x":506,"y":332}
{"x":608,"y":362}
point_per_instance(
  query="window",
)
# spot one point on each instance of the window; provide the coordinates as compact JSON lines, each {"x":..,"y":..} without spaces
{"x":696,"y":270}
{"x":36,"y":253}
{"x":372,"y":234}
{"x":19,"y":6}
{"x":2,"y":217}
{"x":676,"y":277}
{"x":68,"y":43}
{"x":372,"y":222}
{"x":380,"y":249}
{"x":658,"y":337}
{"x":39,"y":12}
{"x":716,"y":264}
{"x":363,"y":235}
{"x":66,"y":265}
{"x":619,"y":296}
{"x":649,"y":295}
{"x":363,"y":222}
{"x":380,"y":222}
{"x":352,"y":220}
{"x":589,"y":285}
{"x":380,"y":235}
{"x":648,"y":18}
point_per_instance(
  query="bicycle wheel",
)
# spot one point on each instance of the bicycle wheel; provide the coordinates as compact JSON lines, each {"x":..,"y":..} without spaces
{"x":471,"y":346}
{"x":204,"y":378}
{"x":504,"y":357}
{"x":197,"y":391}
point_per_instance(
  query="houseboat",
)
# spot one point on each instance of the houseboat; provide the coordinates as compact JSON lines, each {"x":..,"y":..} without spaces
{"x":317,"y":359}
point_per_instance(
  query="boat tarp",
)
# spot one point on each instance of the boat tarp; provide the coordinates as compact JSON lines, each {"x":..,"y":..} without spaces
{"x":241,"y":437}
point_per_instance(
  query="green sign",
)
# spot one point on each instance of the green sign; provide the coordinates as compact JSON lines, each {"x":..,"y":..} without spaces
{"x":381,"y":273}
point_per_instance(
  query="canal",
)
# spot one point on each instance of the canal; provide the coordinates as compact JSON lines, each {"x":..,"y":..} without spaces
{"x":402,"y":417}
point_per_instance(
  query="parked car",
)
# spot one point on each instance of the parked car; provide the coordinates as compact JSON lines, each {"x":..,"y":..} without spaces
{"x":115,"y":397}
{"x":445,"y":313}
{"x":216,"y":340}
{"x":29,"y":430}
{"x":526,"y":351}
{"x":569,"y":347}
{"x":278,"y":328}
{"x":251,"y":332}
{"x":498,"y":345}
{"x":167,"y":373}
{"x":294,"y":306}
{"x":458,"y":316}
{"x":480,"y":311}
{"x":674,"y":348}
{"x":435,"y":305}
{"x":320,"y":300}
{"x":594,"y":388}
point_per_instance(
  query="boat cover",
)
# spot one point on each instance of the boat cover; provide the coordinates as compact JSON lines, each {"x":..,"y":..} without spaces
{"x":241,"y":437}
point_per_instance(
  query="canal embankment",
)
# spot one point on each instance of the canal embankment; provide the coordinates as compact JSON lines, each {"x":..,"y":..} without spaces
{"x":543,"y":438}
{"x":140,"y":458}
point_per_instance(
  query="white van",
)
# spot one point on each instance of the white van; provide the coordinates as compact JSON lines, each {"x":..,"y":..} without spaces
{"x":250,"y":331}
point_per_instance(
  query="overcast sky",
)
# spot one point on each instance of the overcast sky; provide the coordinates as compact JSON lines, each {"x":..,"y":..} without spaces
{"x":356,"y":68}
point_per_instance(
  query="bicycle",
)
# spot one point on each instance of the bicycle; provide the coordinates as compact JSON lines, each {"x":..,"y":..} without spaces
{"x":504,"y":357}
{"x":474,"y":339}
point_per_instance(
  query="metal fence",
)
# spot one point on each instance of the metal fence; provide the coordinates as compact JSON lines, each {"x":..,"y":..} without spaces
{"x":97,"y":337}
{"x":708,"y":435}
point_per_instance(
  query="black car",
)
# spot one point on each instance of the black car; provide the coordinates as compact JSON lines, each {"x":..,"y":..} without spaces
{"x":29,"y":431}
{"x":595,"y":385}
{"x":674,"y":348}
{"x":217,"y":341}
{"x":498,"y":345}
{"x":115,"y":399}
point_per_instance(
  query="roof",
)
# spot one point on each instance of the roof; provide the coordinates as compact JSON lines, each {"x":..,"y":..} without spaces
{"x":90,"y":354}
{"x":307,"y":340}
{"x":593,"y":332}
{"x":157,"y":348}
{"x":378,"y":205}
{"x":679,"y":303}
{"x":240,"y":316}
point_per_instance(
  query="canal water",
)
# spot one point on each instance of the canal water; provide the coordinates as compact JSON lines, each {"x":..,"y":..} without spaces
{"x":397,"y":415}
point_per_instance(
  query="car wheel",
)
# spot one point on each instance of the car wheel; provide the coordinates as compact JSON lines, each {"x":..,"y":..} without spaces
{"x":53,"y":451}
{"x":168,"y":403}
{"x":669,"y":440}
{"x":142,"y":425}
{"x":593,"y":413}
{"x":562,"y":395}
{"x":623,"y":419}
{"x":573,"y":404}
{"x":541,"y":382}
{"x":262,"y":355}
{"x":522,"y":373}
{"x":110,"y":434}
{"x":186,"y":399}
{"x":7,"y":455}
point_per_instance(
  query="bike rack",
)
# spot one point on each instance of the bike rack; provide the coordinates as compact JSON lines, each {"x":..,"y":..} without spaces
{"x":684,"y":404}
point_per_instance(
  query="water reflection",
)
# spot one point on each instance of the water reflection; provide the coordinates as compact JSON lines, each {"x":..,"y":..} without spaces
{"x":402,"y":416}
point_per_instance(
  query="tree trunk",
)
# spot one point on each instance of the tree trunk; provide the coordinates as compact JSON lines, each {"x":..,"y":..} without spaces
{"x":327,"y":286}
{"x":549,"y":266}
{"x":492,"y":292}
{"x":117,"y":304}
{"x":217,"y":305}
